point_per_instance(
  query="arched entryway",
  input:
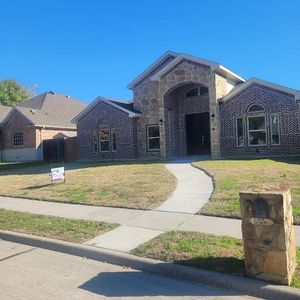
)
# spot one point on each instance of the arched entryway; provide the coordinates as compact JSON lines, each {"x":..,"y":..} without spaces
{"x":187,"y":120}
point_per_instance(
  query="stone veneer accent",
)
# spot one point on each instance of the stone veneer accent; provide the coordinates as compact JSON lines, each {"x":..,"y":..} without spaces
{"x":274,"y":101}
{"x":149,"y":97}
{"x":269,"y":240}
{"x":115,"y":118}
{"x":176,"y":108}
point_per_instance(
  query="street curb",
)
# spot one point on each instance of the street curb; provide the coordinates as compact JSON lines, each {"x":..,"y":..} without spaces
{"x":240,"y":284}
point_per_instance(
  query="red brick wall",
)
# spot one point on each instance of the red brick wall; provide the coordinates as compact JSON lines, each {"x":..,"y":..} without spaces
{"x":18,"y":123}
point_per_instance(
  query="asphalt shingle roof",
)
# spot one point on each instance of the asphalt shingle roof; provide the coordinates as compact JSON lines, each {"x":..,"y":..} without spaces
{"x":127,"y":105}
{"x":50,"y":109}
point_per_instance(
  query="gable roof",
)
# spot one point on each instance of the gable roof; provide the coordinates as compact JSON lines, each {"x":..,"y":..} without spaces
{"x":4,"y":111}
{"x":49,"y":110}
{"x":239,"y":88}
{"x":152,"y":67}
{"x":177,"y":58}
{"x":126,"y":106}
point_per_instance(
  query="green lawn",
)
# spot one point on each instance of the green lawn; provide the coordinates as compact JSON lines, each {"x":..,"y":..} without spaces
{"x":200,"y":250}
{"x":77,"y":231}
{"x":140,"y":185}
{"x":234,"y":175}
{"x":207,"y":251}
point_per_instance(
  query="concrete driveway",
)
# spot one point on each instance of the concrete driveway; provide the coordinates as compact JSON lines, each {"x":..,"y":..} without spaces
{"x":34,"y":273}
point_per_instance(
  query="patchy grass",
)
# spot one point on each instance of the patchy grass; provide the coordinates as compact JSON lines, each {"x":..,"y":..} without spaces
{"x":232,"y":176}
{"x":201,"y":250}
{"x":133,"y":185}
{"x":77,"y":231}
{"x":296,"y":277}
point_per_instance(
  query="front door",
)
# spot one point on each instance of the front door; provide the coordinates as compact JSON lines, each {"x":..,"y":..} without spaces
{"x":198,"y":134}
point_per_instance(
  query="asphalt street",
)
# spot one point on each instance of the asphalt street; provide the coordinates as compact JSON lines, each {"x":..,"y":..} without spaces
{"x":33,"y":273}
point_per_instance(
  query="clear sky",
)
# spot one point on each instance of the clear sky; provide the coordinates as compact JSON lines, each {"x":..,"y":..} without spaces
{"x":87,"y":48}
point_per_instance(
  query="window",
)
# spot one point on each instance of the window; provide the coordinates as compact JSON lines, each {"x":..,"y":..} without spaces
{"x":197,"y":91}
{"x":104,"y":139}
{"x":256,"y":108}
{"x":95,"y":141}
{"x":274,"y":120}
{"x":18,"y":139}
{"x":153,"y":137}
{"x":239,"y":132}
{"x":114,"y":139}
{"x":257,"y":135}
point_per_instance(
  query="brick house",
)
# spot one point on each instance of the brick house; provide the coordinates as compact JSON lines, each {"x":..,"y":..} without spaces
{"x":183,"y":105}
{"x":25,"y":126}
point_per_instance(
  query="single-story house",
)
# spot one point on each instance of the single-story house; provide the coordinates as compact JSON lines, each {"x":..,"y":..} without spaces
{"x":184,"y":105}
{"x":25,"y":126}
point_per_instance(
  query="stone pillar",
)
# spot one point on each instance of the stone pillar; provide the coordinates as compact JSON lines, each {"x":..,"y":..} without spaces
{"x":268,"y":234}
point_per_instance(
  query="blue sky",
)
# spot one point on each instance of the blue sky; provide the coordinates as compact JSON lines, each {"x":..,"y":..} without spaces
{"x":92,"y":47}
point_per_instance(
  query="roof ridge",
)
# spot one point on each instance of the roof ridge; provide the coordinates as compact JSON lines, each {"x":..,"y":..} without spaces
{"x":253,"y":80}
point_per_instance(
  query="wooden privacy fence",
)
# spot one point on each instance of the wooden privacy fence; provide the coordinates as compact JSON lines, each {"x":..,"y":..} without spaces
{"x":60,"y":150}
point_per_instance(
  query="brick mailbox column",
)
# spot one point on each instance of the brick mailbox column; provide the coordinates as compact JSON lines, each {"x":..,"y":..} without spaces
{"x":268,"y":234}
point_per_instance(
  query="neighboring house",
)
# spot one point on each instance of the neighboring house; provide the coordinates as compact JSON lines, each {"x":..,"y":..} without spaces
{"x":4,"y":110}
{"x":183,"y":105}
{"x":26,"y":125}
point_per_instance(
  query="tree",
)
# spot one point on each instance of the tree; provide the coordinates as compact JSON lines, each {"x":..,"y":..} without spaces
{"x":12,"y":92}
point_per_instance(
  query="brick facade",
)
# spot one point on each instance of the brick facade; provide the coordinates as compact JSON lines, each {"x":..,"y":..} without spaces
{"x":17,"y":123}
{"x":153,"y":99}
{"x":176,"y":108}
{"x":274,"y":101}
{"x":160,"y":97}
{"x":126,"y":142}
{"x":32,"y":139}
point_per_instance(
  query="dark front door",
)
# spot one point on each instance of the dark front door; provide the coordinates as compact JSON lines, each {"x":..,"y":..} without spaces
{"x":197,"y":133}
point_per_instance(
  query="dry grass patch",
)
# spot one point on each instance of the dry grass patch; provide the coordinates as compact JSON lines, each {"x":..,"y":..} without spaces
{"x":132,"y":185}
{"x":77,"y":231}
{"x":232,"y":176}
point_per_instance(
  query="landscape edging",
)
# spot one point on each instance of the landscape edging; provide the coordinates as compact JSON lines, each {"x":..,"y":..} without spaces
{"x":240,"y":284}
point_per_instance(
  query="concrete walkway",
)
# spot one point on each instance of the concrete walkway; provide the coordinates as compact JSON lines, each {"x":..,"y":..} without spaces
{"x":138,"y":226}
{"x":193,"y":190}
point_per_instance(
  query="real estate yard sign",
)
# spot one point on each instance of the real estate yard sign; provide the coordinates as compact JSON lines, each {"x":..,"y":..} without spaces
{"x":57,"y":175}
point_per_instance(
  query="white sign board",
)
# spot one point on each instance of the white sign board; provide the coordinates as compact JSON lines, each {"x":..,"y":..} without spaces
{"x":57,"y":174}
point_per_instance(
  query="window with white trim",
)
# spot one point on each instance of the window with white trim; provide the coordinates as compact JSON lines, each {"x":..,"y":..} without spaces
{"x":18,"y":139}
{"x":114,"y":139}
{"x":239,"y":132}
{"x":153,"y":139}
{"x":197,"y":91}
{"x":257,"y":133}
{"x":104,"y":139}
{"x":274,"y":127}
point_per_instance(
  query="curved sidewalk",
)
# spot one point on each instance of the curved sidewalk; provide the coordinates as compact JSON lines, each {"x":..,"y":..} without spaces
{"x":193,"y":190}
